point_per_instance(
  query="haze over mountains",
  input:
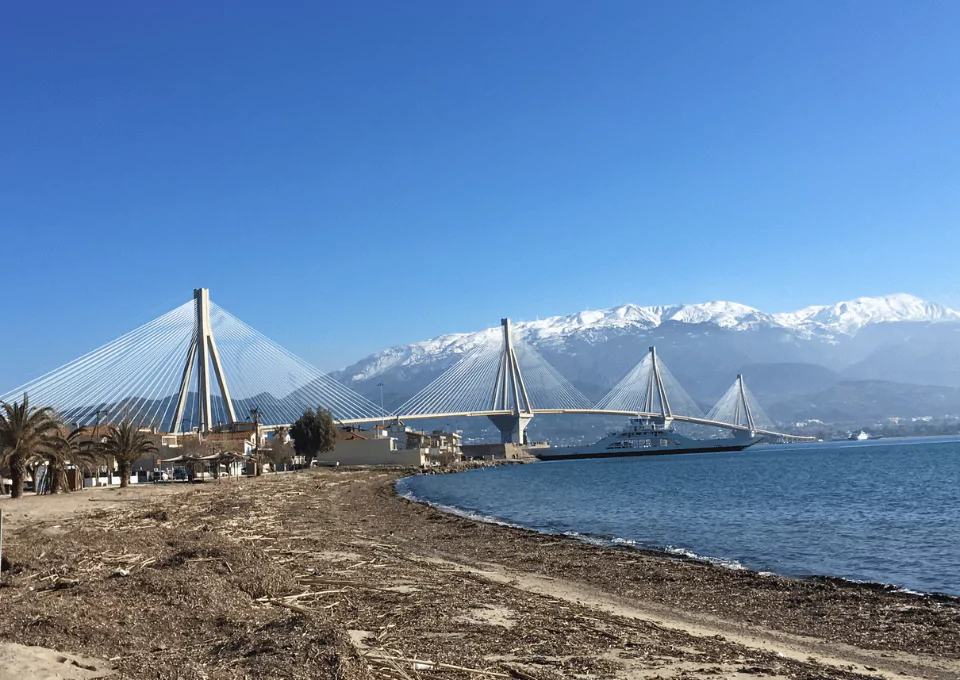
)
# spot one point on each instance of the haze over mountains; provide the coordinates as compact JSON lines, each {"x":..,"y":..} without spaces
{"x":860,"y":360}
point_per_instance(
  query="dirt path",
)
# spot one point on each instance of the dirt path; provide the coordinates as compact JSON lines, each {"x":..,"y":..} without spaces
{"x":32,"y":508}
{"x":329,"y":574}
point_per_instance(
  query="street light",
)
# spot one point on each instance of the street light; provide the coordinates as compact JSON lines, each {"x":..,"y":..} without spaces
{"x":382,"y":419}
{"x":255,"y":412}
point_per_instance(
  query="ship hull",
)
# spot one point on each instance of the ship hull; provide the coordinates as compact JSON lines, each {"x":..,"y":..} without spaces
{"x":672,"y":451}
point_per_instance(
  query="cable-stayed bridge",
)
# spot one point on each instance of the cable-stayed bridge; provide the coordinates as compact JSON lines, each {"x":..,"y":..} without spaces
{"x":198,"y":366}
{"x":194,"y":367}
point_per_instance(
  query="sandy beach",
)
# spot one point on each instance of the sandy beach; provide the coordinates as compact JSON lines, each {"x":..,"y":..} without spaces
{"x":328,"y":574}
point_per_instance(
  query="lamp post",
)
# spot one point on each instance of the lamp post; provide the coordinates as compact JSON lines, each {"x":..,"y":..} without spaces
{"x":255,"y":412}
{"x":382,"y":419}
{"x":93,"y":439}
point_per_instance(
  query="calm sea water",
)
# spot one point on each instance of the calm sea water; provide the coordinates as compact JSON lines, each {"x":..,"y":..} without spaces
{"x":885,"y":511}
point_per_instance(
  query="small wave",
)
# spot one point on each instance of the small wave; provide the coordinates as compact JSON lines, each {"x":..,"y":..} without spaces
{"x":601,"y":541}
{"x":453,"y":510}
{"x":716,"y":561}
{"x":618,"y":542}
{"x":888,"y":587}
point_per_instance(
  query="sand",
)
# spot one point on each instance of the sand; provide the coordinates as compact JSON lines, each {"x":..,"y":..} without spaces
{"x":21,"y":661}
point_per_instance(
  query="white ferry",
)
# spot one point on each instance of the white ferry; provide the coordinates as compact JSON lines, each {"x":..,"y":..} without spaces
{"x":648,"y":437}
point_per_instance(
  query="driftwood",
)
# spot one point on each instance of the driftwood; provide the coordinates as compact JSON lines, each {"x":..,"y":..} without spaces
{"x":519,"y":674}
{"x":346,"y":583}
{"x":437,"y":664}
{"x":289,"y":605}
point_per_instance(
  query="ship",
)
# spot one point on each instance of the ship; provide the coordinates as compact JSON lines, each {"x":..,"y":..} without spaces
{"x":648,"y":436}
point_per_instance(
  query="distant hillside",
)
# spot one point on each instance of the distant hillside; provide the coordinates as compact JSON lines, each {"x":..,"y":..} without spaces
{"x":868,"y":401}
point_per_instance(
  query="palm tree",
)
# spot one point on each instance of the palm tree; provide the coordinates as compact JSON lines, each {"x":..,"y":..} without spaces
{"x":126,"y":443}
{"x":25,"y":433}
{"x":69,"y":450}
{"x":279,"y":449}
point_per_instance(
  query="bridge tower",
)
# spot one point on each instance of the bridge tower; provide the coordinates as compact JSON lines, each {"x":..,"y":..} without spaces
{"x":742,"y":413}
{"x":203,"y":353}
{"x":655,"y":386}
{"x":510,"y":394}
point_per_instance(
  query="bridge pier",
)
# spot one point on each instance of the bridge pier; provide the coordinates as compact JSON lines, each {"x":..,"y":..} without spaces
{"x":513,"y":427}
{"x":510,"y":394}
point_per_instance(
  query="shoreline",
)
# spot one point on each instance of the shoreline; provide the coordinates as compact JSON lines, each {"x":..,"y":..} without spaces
{"x":680,"y":554}
{"x":330,"y":573}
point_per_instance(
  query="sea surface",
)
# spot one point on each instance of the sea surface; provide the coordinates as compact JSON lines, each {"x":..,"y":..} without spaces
{"x":885,"y":511}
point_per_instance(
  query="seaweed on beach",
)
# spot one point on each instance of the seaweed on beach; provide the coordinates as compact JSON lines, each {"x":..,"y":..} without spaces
{"x":171,"y":600}
{"x":328,"y":574}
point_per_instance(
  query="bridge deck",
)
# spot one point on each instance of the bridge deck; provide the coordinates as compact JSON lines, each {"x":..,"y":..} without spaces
{"x":586,"y":411}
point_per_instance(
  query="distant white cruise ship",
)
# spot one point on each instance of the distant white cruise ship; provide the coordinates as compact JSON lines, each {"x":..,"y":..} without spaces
{"x":647,"y":436}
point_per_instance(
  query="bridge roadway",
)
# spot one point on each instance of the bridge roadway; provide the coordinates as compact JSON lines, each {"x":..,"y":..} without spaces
{"x":585,"y":411}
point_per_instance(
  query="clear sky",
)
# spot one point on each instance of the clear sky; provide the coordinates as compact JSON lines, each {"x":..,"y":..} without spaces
{"x":346,"y":177}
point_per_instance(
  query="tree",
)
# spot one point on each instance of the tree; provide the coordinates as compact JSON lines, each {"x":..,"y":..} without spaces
{"x":280,"y":452}
{"x":126,"y":443}
{"x":327,"y":430}
{"x":25,"y":433}
{"x":314,"y":433}
{"x":68,"y":450}
{"x":303,"y":432}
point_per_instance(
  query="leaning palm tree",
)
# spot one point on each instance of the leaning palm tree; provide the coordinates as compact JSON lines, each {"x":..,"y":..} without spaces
{"x":126,"y":443}
{"x":69,"y":450}
{"x":25,"y":433}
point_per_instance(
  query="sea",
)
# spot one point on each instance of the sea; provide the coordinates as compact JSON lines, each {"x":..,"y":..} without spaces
{"x":883,"y":511}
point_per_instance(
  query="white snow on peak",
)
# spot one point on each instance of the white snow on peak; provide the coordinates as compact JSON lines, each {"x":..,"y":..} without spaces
{"x":849,"y":317}
{"x":425,"y":351}
{"x":725,"y":314}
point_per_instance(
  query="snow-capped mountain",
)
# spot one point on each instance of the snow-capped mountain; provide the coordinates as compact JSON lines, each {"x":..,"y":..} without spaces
{"x":850,"y":317}
{"x":896,"y":337}
{"x":723,"y":314}
{"x":827,"y":320}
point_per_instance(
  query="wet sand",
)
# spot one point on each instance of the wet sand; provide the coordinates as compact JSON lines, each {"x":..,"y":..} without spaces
{"x":328,"y":573}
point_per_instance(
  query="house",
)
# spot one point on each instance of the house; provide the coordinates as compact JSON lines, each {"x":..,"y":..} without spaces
{"x":364,"y":447}
{"x":499,"y":451}
{"x":381,"y":445}
{"x":438,"y":447}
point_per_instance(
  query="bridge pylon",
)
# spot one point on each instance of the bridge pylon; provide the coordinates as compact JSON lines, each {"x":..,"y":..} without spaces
{"x":656,"y":384}
{"x":743,"y":414}
{"x":649,"y":388}
{"x":739,"y":408}
{"x":510,"y":394}
{"x":202,"y":352}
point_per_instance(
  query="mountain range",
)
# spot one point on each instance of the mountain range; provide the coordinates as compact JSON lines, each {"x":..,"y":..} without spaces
{"x":860,"y":360}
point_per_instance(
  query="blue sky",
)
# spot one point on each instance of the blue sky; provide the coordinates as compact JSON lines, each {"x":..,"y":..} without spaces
{"x":348,"y":177}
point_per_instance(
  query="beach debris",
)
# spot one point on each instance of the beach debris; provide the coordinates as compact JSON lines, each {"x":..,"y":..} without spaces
{"x":421,"y":664}
{"x":520,"y":674}
{"x":257,"y":570}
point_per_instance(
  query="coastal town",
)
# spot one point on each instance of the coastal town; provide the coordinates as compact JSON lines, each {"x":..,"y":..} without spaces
{"x":248,"y":449}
